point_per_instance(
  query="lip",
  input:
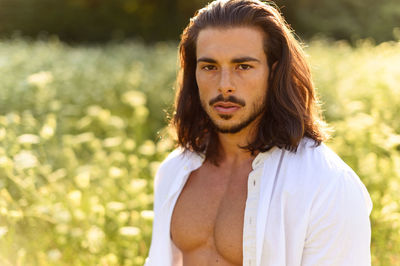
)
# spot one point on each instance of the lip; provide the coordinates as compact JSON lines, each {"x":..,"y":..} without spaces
{"x":226,"y":107}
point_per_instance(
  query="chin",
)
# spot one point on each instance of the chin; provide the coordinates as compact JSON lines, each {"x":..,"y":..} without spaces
{"x":229,"y":128}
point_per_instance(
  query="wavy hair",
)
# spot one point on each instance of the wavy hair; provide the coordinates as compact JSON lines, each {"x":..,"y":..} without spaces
{"x":291,"y":111}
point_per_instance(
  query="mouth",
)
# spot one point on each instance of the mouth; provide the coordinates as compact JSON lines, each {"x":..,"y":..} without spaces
{"x":226,"y":107}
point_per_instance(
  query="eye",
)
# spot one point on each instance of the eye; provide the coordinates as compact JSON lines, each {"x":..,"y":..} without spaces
{"x":208,"y":67}
{"x":244,"y":67}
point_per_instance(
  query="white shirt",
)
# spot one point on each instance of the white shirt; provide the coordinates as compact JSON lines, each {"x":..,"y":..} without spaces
{"x":310,"y":208}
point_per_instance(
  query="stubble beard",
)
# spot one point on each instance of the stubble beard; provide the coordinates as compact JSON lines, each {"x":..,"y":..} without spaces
{"x":257,"y":110}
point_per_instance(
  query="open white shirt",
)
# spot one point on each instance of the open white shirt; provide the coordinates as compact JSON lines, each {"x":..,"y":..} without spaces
{"x":310,"y":208}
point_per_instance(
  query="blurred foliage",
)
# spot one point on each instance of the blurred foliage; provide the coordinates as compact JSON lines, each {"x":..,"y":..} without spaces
{"x":360,"y":91}
{"x":82,"y":132}
{"x":97,"y":20}
{"x":154,"y":20}
{"x":78,"y":150}
{"x":344,"y":19}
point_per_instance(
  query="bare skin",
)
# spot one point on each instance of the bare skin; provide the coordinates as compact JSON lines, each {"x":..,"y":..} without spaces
{"x":207,"y":221}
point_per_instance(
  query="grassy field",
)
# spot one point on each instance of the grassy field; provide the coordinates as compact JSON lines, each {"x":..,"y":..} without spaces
{"x":82,"y":132}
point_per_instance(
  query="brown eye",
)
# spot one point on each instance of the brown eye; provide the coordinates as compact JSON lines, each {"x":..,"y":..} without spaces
{"x":209,"y":67}
{"x":244,"y":67}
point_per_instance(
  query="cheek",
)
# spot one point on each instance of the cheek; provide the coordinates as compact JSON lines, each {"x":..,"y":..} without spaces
{"x":203,"y":84}
{"x":260,"y":82}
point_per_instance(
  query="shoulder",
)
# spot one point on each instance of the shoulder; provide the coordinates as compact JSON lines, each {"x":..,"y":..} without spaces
{"x":317,"y":162}
{"x":179,"y":159}
{"x":317,"y":157}
{"x":173,"y":159}
{"x":176,"y":160}
{"x":317,"y":171}
{"x":173,"y":167}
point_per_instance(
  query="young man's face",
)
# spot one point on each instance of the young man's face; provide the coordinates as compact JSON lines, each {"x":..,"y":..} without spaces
{"x":232,"y":76}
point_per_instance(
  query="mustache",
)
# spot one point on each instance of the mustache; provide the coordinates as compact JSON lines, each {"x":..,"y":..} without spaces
{"x":230,"y":98}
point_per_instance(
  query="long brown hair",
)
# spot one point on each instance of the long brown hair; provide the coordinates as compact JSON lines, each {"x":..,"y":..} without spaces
{"x":291,"y":110}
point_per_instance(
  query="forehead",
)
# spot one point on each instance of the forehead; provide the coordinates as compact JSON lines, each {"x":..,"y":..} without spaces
{"x":230,"y":42}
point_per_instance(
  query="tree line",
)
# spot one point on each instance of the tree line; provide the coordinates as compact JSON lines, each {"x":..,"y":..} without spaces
{"x":157,"y":20}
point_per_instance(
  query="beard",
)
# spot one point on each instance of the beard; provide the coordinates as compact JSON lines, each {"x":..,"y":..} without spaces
{"x":256,"y":110}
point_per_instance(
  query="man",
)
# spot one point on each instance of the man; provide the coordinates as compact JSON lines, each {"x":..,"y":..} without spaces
{"x":252,"y":182}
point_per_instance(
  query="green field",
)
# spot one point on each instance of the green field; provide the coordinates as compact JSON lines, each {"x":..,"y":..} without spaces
{"x":82,"y":132}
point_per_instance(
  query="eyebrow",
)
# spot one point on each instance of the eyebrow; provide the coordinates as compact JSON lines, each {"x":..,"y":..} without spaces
{"x":234,"y":60}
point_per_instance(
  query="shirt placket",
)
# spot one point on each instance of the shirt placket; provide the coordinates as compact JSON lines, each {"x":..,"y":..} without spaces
{"x":250,"y":217}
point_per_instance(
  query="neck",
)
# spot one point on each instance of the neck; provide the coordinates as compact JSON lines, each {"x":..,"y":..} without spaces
{"x":229,"y":146}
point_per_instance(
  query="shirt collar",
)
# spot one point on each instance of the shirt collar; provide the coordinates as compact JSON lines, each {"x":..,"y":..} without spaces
{"x":195,"y":160}
{"x":261,"y":157}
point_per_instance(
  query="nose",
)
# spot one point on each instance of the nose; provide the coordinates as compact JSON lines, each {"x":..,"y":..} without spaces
{"x":226,"y":86}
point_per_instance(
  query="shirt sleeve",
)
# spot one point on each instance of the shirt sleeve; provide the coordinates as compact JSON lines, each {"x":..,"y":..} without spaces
{"x":339,"y":230}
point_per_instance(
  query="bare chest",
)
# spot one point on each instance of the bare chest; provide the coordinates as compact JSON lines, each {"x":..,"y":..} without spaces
{"x":207,"y":221}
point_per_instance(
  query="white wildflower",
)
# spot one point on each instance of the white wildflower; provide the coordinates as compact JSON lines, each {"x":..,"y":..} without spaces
{"x":115,"y":206}
{"x":129,"y":231}
{"x":134,"y":98}
{"x":25,"y":159}
{"x":40,"y":79}
{"x":95,"y":239}
{"x":3,"y":231}
{"x":75,"y":197}
{"x":147,"y":214}
{"x":54,"y":254}
{"x":28,"y":139}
